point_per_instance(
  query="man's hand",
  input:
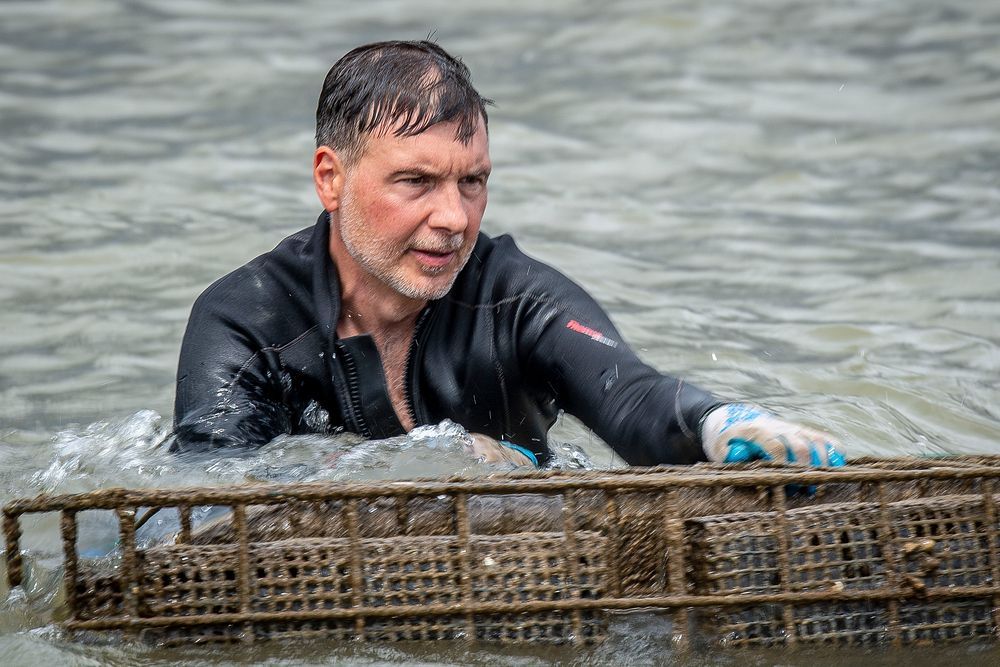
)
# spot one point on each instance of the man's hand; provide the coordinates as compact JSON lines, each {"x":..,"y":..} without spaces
{"x":492,"y":451}
{"x":738,"y":432}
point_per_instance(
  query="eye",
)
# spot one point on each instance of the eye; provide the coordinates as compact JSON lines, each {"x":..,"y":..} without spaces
{"x":474,"y":182}
{"x":416,"y":180}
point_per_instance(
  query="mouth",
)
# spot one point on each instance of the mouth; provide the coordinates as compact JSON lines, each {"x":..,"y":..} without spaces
{"x":433,"y":258}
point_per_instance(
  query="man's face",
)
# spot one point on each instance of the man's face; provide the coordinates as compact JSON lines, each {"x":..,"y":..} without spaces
{"x":411,"y":207}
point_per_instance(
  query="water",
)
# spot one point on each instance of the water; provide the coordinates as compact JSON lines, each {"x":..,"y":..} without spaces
{"x":789,"y":202}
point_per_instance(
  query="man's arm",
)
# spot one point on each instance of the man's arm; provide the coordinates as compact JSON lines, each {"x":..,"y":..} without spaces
{"x":569,"y":343}
{"x":228,"y":386}
{"x":569,"y":346}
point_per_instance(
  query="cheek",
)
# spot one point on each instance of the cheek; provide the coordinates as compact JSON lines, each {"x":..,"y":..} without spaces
{"x":472,"y":230}
{"x":386,"y":217}
{"x":474,"y":211}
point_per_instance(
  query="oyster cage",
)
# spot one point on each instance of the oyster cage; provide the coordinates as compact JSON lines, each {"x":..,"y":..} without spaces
{"x":884,"y":551}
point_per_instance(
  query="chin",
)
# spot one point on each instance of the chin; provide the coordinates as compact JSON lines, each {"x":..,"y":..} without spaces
{"x":437,"y":291}
{"x":423,"y":283}
{"x":424,"y":289}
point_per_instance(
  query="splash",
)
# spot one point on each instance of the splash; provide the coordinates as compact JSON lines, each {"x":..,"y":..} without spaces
{"x":133,"y":452}
{"x":121,"y":453}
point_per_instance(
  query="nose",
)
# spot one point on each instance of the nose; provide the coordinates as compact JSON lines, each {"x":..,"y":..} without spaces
{"x":449,"y":211}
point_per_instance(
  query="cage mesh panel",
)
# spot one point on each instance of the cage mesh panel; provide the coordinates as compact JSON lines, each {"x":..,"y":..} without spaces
{"x":955,"y":620}
{"x":98,"y":597}
{"x":940,"y":543}
{"x":545,"y":554}
{"x":314,"y":573}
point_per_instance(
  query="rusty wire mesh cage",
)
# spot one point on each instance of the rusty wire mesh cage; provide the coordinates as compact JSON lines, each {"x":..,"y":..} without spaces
{"x":894,"y":551}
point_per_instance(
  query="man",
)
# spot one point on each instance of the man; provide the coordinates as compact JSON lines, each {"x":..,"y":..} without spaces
{"x":395,"y":311}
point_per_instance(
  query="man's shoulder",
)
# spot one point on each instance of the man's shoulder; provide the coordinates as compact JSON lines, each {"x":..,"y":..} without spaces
{"x":500,"y":255}
{"x":288,"y":267}
{"x":499,"y":264}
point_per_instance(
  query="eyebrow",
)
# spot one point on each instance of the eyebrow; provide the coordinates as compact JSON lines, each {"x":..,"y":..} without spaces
{"x":481,"y":172}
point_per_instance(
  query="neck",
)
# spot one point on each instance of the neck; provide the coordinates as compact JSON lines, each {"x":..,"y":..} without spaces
{"x":367,"y":305}
{"x":375,"y":312}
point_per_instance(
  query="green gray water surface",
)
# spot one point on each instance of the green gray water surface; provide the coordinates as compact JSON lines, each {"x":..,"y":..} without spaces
{"x":792,"y":202}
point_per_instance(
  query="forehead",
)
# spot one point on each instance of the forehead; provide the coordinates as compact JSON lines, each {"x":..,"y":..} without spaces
{"x":437,"y":146}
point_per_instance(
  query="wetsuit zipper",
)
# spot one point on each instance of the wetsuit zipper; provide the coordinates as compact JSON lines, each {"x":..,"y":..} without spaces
{"x":413,"y":355}
{"x":353,"y":392}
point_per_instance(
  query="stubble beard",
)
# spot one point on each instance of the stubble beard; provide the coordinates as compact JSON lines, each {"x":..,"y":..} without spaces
{"x":382,"y":258}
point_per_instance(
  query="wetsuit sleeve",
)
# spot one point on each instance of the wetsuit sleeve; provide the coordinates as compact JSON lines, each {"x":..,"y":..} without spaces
{"x":569,"y":344}
{"x":228,"y":382}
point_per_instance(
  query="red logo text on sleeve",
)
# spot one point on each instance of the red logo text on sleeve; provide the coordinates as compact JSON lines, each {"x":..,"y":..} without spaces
{"x":593,"y":334}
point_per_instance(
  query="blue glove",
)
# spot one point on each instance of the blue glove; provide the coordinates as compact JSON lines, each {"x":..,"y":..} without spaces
{"x":738,"y":432}
{"x":493,"y":451}
{"x":523,"y":450}
{"x":743,"y":451}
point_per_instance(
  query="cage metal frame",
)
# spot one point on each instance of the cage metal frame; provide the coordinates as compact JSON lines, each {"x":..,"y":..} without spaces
{"x":872,"y":478}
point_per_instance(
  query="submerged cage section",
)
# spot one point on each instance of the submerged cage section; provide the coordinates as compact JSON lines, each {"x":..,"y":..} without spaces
{"x":918,"y":573}
{"x":884,"y":551}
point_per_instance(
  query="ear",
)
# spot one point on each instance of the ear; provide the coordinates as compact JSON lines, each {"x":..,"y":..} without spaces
{"x":329,"y":175}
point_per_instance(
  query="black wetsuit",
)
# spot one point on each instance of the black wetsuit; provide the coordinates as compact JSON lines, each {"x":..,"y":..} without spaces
{"x":511,"y":344}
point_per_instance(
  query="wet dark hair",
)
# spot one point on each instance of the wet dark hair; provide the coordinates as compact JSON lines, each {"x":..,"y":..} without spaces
{"x":407,"y":86}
